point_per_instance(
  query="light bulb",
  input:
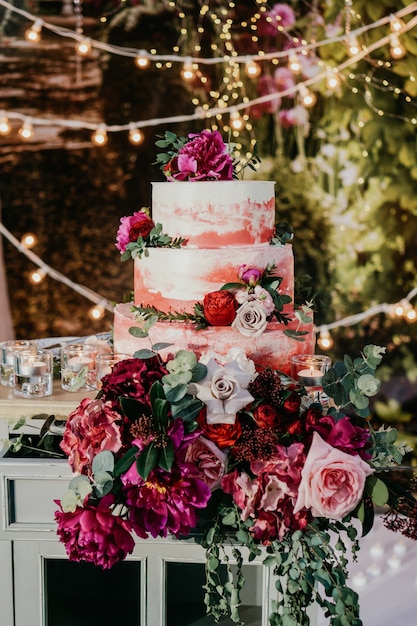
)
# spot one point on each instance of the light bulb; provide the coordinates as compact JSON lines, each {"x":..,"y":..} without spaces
{"x":411,"y":315}
{"x":29,"y":240}
{"x":97,"y":312}
{"x":236,"y":122}
{"x":26,"y":130}
{"x":83,"y":47}
{"x":396,"y":24}
{"x":188,"y":71}
{"x":136,"y":136}
{"x":325,"y":342}
{"x":397,"y":50}
{"x":37,"y":276}
{"x":352,"y":44}
{"x":294,"y":64}
{"x":99,"y":137}
{"x":142,"y":60}
{"x":5,"y":127}
{"x":252,"y":69}
{"x":33,"y":34}
{"x":332,"y":80}
{"x":308,"y":98}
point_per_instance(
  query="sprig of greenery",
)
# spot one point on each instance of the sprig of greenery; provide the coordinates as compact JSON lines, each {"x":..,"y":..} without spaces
{"x":171,"y":144}
{"x":155,"y":239}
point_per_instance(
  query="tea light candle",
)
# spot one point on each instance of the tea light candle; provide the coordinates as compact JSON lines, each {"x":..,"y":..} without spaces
{"x":76,"y":363}
{"x":32,"y":368}
{"x":311,"y":377}
{"x":377,"y":550}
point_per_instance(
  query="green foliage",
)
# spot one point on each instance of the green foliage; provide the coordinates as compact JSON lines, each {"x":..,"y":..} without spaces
{"x":155,"y":239}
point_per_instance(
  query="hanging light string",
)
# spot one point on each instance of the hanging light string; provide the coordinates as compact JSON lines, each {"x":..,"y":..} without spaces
{"x":45,"y":269}
{"x":133,"y":52}
{"x":214,"y":111}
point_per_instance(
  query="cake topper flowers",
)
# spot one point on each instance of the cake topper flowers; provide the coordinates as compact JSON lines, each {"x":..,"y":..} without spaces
{"x":199,"y":156}
{"x":275,"y":472}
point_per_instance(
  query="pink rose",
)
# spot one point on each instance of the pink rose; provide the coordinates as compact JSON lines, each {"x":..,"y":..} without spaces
{"x":250,"y":275}
{"x":204,"y":157}
{"x":332,"y":481}
{"x":90,"y":429}
{"x":209,"y":460}
{"x":131,"y":228}
{"x":95,"y":535}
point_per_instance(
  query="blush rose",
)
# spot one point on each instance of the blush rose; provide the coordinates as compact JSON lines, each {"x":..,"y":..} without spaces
{"x":332,"y":481}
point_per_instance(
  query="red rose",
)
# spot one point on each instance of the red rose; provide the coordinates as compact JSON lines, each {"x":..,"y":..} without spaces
{"x":140,"y":228}
{"x":266,"y":416}
{"x":223,"y":435}
{"x":291,"y":404}
{"x":219,"y":308}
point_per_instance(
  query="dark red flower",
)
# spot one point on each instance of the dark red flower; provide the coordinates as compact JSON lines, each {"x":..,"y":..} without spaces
{"x":219,"y":308}
{"x":266,"y":416}
{"x":223,"y":435}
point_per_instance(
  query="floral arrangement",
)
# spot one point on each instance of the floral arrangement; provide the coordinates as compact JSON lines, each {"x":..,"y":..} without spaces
{"x":215,"y":450}
{"x":200,"y":156}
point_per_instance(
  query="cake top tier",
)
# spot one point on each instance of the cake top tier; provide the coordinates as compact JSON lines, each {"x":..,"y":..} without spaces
{"x":212,"y":214}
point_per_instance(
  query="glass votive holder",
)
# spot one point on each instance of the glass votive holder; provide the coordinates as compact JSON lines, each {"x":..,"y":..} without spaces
{"x":308,"y":370}
{"x":7,"y":352}
{"x":78,"y":367}
{"x":105,"y":362}
{"x":33,"y":373}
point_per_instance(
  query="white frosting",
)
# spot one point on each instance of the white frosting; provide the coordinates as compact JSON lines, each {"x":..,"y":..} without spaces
{"x":170,"y":278}
{"x":216,"y":213}
{"x":273,"y":348}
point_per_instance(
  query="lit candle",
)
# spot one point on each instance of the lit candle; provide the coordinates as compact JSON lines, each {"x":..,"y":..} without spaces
{"x":311,"y":377}
{"x":76,"y":363}
{"x":32,"y":368}
{"x":377,"y":550}
{"x":359,"y":580}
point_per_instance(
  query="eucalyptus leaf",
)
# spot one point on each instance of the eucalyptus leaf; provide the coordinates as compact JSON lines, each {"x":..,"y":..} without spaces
{"x":103,"y":462}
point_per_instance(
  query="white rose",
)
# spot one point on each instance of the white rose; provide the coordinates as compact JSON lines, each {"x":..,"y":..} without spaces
{"x":264,"y":298}
{"x":251,"y":319}
{"x":223,"y":391}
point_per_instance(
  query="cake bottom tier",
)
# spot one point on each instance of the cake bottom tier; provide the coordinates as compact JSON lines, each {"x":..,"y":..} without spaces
{"x":271,"y":349}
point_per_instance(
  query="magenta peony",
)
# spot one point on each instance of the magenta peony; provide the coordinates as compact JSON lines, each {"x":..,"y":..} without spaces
{"x":204,"y":157}
{"x":131,"y":227}
{"x":90,"y":429}
{"x":167,"y":502}
{"x":95,"y":535}
{"x":332,"y":481}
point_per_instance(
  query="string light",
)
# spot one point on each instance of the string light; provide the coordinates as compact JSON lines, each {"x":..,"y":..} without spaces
{"x":396,"y":24}
{"x":5,"y":127}
{"x":29,"y":240}
{"x":26,"y":130}
{"x":308,"y":98}
{"x":142,"y":60}
{"x":33,"y":34}
{"x":136,"y":136}
{"x":324,"y":341}
{"x":252,"y":69}
{"x":236,"y":121}
{"x":97,"y":312}
{"x":83,"y":47}
{"x":294,"y":64}
{"x":397,"y":49}
{"x":188,"y":71}
{"x":352,"y":45}
{"x":37,"y":276}
{"x":99,"y":137}
{"x":333,"y":81}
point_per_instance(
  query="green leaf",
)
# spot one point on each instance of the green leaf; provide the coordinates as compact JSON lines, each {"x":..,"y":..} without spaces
{"x":135,"y":331}
{"x":103,"y":483}
{"x":126,"y":461}
{"x":147,"y":460}
{"x":174,"y":394}
{"x":380,"y":493}
{"x":166,"y":456}
{"x":103,"y":462}
{"x":161,"y":346}
{"x":132,"y":408}
{"x":144,"y":354}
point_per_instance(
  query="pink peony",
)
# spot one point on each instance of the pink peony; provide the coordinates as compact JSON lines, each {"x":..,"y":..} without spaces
{"x":281,"y":16}
{"x":332,"y":481}
{"x":284,"y":79}
{"x":269,"y":498}
{"x":90,"y":429}
{"x":168,"y":501}
{"x":250,"y":275}
{"x":131,"y":228}
{"x":204,"y":157}
{"x":209,"y":460}
{"x":95,"y":535}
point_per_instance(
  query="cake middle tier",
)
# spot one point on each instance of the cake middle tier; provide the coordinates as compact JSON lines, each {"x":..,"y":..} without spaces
{"x":171,"y":279}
